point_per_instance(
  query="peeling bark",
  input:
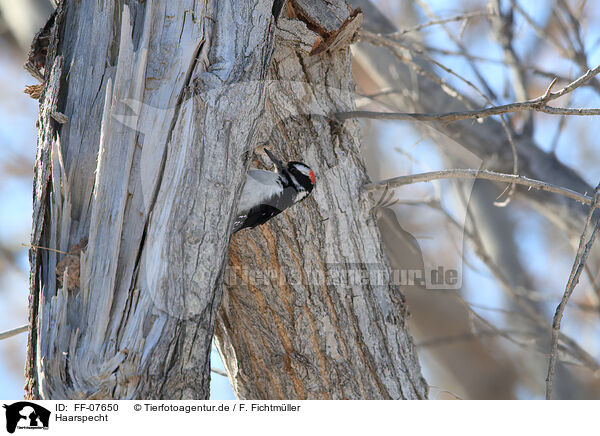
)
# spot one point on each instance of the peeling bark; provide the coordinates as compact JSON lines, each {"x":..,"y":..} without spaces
{"x":162,"y":102}
{"x":148,"y":118}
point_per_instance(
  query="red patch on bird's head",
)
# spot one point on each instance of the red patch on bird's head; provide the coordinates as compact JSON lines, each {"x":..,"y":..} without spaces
{"x":311,"y":174}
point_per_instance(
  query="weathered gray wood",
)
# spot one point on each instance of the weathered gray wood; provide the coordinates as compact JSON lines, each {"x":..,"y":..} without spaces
{"x":283,"y":332}
{"x":147,"y":169}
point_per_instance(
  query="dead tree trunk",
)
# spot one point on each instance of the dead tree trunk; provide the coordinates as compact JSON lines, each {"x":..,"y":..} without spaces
{"x":148,"y":112}
{"x":148,"y":119}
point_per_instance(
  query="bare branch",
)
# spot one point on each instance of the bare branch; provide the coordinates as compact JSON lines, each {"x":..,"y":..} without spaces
{"x":13,"y":332}
{"x":461,"y":17}
{"x":44,"y":248}
{"x":503,"y":23}
{"x":532,"y":68}
{"x":582,"y":253}
{"x":394,"y":46}
{"x":577,"y":55}
{"x":219,"y":372}
{"x":520,"y":296}
{"x":482,"y":174}
{"x":450,"y":117}
{"x":541,"y":33}
{"x":537,"y":104}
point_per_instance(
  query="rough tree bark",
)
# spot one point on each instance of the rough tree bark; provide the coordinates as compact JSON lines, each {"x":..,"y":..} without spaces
{"x":146,"y":169}
{"x":284,"y":330}
{"x":148,"y":119}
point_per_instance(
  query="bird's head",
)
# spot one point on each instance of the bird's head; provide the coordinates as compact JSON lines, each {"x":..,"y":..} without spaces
{"x":302,"y":176}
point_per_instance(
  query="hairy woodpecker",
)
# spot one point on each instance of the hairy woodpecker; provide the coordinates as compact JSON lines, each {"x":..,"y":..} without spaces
{"x":268,"y":193}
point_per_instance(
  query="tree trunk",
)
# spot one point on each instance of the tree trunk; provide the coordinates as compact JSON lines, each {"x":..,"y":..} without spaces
{"x":149,"y":116}
{"x":299,"y":318}
{"x":159,"y":103}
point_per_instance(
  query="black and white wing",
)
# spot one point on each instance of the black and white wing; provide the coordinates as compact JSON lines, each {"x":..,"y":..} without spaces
{"x":263,"y":197}
{"x":260,"y":188}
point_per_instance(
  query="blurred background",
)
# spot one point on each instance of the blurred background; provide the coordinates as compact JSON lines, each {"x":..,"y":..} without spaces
{"x":487,"y":339}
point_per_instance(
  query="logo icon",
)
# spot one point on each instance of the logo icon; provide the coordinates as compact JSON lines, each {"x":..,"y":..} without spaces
{"x":26,"y":415}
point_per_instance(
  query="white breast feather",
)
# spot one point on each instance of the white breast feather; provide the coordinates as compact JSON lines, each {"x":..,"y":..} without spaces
{"x":260,"y":186}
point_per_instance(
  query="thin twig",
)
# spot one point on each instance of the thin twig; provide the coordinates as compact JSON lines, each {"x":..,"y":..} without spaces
{"x":462,"y":17}
{"x":582,"y":253}
{"x":538,"y":104}
{"x":219,"y":372}
{"x":577,"y":56}
{"x":457,"y":41}
{"x":541,"y":33}
{"x":449,"y":117}
{"x":481,"y":174}
{"x":521,"y":297}
{"x":44,"y":248}
{"x":399,"y":50}
{"x":394,"y":46}
{"x":535,"y":70}
{"x":503,"y":24}
{"x":13,"y":332}
{"x":561,"y":125}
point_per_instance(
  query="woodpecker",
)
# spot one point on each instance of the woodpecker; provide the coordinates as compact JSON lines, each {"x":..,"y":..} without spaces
{"x":268,"y":193}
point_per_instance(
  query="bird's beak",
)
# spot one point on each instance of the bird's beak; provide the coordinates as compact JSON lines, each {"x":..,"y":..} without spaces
{"x":276,"y":161}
